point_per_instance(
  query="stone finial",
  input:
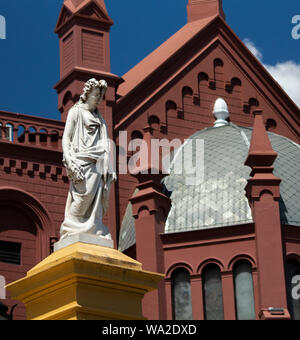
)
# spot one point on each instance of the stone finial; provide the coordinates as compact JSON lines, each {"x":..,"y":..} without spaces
{"x":221,"y":112}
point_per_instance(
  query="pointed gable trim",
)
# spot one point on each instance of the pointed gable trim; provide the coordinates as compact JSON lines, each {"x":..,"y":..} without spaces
{"x":64,"y":16}
{"x":93,"y":7}
{"x":88,"y":9}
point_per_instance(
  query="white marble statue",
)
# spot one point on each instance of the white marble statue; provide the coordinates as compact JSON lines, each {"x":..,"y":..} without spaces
{"x":86,"y":150}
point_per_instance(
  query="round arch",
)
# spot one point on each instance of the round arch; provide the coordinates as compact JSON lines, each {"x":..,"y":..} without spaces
{"x":216,"y":262}
{"x":37,"y":213}
{"x":179,"y":265}
{"x":241,"y":257}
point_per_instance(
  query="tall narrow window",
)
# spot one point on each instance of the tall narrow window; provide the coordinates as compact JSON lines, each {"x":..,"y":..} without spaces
{"x":181,"y":295}
{"x":212,"y":293}
{"x":292,"y":271}
{"x":244,"y":294}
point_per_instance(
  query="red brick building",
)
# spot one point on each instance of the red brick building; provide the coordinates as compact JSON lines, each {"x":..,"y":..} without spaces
{"x":227,"y":253}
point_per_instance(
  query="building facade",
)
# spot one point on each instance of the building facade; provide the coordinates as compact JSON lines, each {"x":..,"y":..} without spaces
{"x":228,"y":244}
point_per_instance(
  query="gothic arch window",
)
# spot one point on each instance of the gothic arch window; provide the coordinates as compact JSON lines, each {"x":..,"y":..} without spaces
{"x":292,"y":271}
{"x":181,"y":295}
{"x":243,"y":289}
{"x":212,"y":293}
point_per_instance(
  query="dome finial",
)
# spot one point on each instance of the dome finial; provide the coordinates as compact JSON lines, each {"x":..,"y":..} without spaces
{"x":221,"y":113}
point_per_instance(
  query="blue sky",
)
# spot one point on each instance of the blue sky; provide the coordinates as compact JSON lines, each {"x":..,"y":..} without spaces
{"x":29,"y":57}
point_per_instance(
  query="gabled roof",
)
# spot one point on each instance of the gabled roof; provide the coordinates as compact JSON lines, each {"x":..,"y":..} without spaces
{"x":77,"y":5}
{"x":145,"y":80}
{"x":155,"y":59}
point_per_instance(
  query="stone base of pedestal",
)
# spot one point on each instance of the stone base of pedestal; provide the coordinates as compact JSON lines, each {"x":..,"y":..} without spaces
{"x":84,"y":238}
{"x":85,"y":282}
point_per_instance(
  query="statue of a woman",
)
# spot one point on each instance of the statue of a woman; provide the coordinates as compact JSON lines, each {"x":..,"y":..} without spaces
{"x":86,"y":150}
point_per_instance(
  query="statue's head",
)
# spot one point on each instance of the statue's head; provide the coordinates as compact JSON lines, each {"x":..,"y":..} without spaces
{"x":93,"y":92}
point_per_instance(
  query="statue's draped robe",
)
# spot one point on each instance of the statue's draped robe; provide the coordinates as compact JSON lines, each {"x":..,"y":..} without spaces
{"x":87,"y":200}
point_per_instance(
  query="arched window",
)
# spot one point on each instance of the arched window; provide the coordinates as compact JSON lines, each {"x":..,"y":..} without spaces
{"x":212,"y":293}
{"x":243,"y":288}
{"x":9,"y":132}
{"x":181,"y":295}
{"x":293,"y":288}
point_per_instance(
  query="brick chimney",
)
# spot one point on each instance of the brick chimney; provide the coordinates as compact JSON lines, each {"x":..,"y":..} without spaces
{"x":201,"y":9}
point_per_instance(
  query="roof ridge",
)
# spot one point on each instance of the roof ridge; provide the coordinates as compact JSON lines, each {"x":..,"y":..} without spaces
{"x":155,"y":58}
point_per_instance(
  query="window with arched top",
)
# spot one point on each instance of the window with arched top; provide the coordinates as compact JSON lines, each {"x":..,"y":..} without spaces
{"x":21,"y":133}
{"x":292,"y":272}
{"x":212,"y":293}
{"x":43,"y":135}
{"x":244,"y":292}
{"x":32,"y":134}
{"x":181,"y":295}
{"x":9,"y":132}
{"x":187,"y":99}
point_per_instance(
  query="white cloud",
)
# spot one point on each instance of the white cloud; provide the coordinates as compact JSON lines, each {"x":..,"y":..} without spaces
{"x":287,"y":74}
{"x":253,"y":48}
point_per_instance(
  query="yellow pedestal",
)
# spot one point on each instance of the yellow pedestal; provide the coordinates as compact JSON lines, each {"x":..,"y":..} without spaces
{"x":85,"y":282}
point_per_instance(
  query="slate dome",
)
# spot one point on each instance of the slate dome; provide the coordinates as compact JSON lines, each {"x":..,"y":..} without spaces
{"x":219,"y":200}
